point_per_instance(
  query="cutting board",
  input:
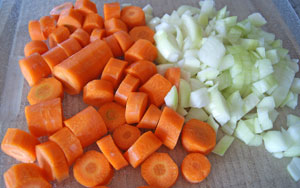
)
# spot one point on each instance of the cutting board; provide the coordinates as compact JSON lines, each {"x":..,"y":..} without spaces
{"x":242,"y":166}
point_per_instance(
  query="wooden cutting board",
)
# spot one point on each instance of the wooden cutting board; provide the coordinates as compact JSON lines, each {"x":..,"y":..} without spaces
{"x":242,"y":166}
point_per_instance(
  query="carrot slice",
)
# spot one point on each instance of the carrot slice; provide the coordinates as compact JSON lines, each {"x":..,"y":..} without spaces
{"x":33,"y":46}
{"x":124,"y":40}
{"x":111,"y":10}
{"x":113,"y":115}
{"x":55,"y":12}
{"x":54,"y":56}
{"x":114,"y":71}
{"x":70,"y":18}
{"x":142,"y":32}
{"x":92,"y":21}
{"x":133,"y":16}
{"x":114,"y":25}
{"x":92,"y":169}
{"x":160,"y":170}
{"x":59,"y":35}
{"x":98,"y":92}
{"x":100,"y":187}
{"x":114,"y":45}
{"x":97,"y":34}
{"x":70,"y":46}
{"x":128,"y":85}
{"x":125,"y":135}
{"x":157,"y":87}
{"x":141,"y":50}
{"x":35,"y":30}
{"x":87,"y":125}
{"x":112,"y":152}
{"x":25,"y":175}
{"x":19,"y":145}
{"x":195,"y":167}
{"x":151,"y":118}
{"x":173,"y":75}
{"x":83,"y":66}
{"x":85,"y":7}
{"x":169,"y":127}
{"x":142,"y":70}
{"x":146,"y":186}
{"x":68,"y":143}
{"x":144,"y":146}
{"x":48,"y":24}
{"x":82,"y":36}
{"x":135,"y":107}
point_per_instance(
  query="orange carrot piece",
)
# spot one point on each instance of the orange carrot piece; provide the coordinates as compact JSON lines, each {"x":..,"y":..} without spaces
{"x":169,"y":127}
{"x":173,"y":75}
{"x":97,"y":34}
{"x":114,"y":71}
{"x":114,"y":45}
{"x":83,"y":66}
{"x":114,"y":25}
{"x":195,"y":167}
{"x":151,"y":118}
{"x":135,"y":107}
{"x":142,"y":70}
{"x":44,"y":118}
{"x":70,"y":46}
{"x":92,"y":169}
{"x":25,"y":175}
{"x":70,"y":18}
{"x":157,"y":87}
{"x":59,"y":35}
{"x":19,"y":145}
{"x":142,"y":32}
{"x":34,"y":68}
{"x":55,"y":12}
{"x":113,"y":115}
{"x":82,"y":36}
{"x":87,"y":125}
{"x":35,"y":30}
{"x":160,"y":170}
{"x":46,"y":89}
{"x":141,"y":50}
{"x":33,"y":46}
{"x":68,"y":143}
{"x":85,"y":7}
{"x":112,"y":152}
{"x":124,"y":136}
{"x":128,"y":85}
{"x":48,"y":25}
{"x":144,"y":146}
{"x":146,"y":186}
{"x":98,"y":92}
{"x":124,"y":40}
{"x":54,"y":56}
{"x":133,"y":16}
{"x":111,"y":10}
{"x":198,"y":136}
{"x":100,"y":187}
{"x":92,"y":21}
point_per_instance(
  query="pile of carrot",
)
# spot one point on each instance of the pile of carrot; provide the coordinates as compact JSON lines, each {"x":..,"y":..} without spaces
{"x":111,"y":60}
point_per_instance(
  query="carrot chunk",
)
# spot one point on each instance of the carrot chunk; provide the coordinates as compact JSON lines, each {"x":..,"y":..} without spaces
{"x":114,"y":45}
{"x":124,"y":40}
{"x":70,"y":46}
{"x":92,"y":21}
{"x":97,"y":34}
{"x":82,"y":36}
{"x":135,"y":107}
{"x":133,"y":16}
{"x":55,"y":12}
{"x":151,"y":118}
{"x":114,"y":25}
{"x":111,"y":10}
{"x":142,"y":70}
{"x":85,"y":7}
{"x":125,"y":135}
{"x":141,"y":50}
{"x":70,"y":18}
{"x":173,"y":75}
{"x":35,"y":30}
{"x":142,"y":32}
{"x":54,"y":56}
{"x":48,"y":25}
{"x":59,"y":35}
{"x":33,"y":46}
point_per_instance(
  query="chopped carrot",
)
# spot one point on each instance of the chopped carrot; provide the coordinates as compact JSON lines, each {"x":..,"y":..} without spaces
{"x":25,"y":175}
{"x":92,"y":169}
{"x":113,"y":115}
{"x":114,"y":45}
{"x":143,"y":147}
{"x":142,"y":32}
{"x":135,"y":107}
{"x":142,"y":70}
{"x":98,"y":92}
{"x":34,"y":68}
{"x":54,"y":56}
{"x":169,"y":127}
{"x":70,"y":18}
{"x":114,"y":25}
{"x":100,"y":187}
{"x":92,"y":21}
{"x":83,"y":66}
{"x":146,"y":186}
{"x":35,"y":30}
{"x":198,"y":136}
{"x":82,"y":36}
{"x":87,"y":125}
{"x":151,"y":118}
{"x":160,"y":170}
{"x":141,"y":50}
{"x":68,"y":143}
{"x":111,"y":10}
{"x":70,"y":46}
{"x":125,"y":135}
{"x":46,"y":89}
{"x":173,"y":75}
{"x":157,"y":87}
{"x":85,"y":7}
{"x":195,"y":167}
{"x":19,"y":145}
{"x":48,"y":25}
{"x":114,"y":71}
{"x":124,"y":40}
{"x":97,"y":34}
{"x":35,"y":46}
{"x":44,"y":118}
{"x":112,"y":152}
{"x":59,"y":35}
{"x":55,"y":12}
{"x":133,"y":16}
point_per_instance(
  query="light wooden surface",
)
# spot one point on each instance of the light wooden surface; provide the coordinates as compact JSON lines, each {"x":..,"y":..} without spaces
{"x":242,"y":166}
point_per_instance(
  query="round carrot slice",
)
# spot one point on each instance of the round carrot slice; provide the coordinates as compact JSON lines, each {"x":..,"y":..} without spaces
{"x":142,"y":32}
{"x":133,"y":16}
{"x":125,"y":135}
{"x":35,"y":46}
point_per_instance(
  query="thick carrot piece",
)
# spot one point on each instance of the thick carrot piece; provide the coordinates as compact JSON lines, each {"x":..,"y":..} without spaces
{"x":114,"y":45}
{"x":151,"y":118}
{"x":44,"y":118}
{"x":48,"y":25}
{"x":128,"y":85}
{"x":113,"y":115}
{"x":54,"y":56}
{"x":135,"y":107}
{"x":133,"y":16}
{"x":159,"y":170}
{"x":125,"y":135}
{"x":85,"y":7}
{"x":144,"y":146}
{"x":169,"y":127}
{"x":92,"y":21}
{"x":157,"y":87}
{"x":114,"y":25}
{"x":142,"y":70}
{"x":124,"y":40}
{"x":83,"y":66}
{"x":33,"y":46}
{"x":59,"y":35}
{"x":87,"y":125}
{"x":114,"y":71}
{"x":55,"y":12}
{"x":82,"y":36}
{"x":173,"y":75}
{"x":92,"y":169}
{"x":142,"y":32}
{"x":70,"y":46}
{"x":68,"y":143}
{"x":195,"y":167}
{"x":35,"y":30}
{"x":141,"y":50}
{"x":97,"y":34}
{"x":71,"y":19}
{"x":19,"y":145}
{"x":100,"y":187}
{"x":111,"y":10}
{"x":25,"y":175}
{"x":112,"y":152}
